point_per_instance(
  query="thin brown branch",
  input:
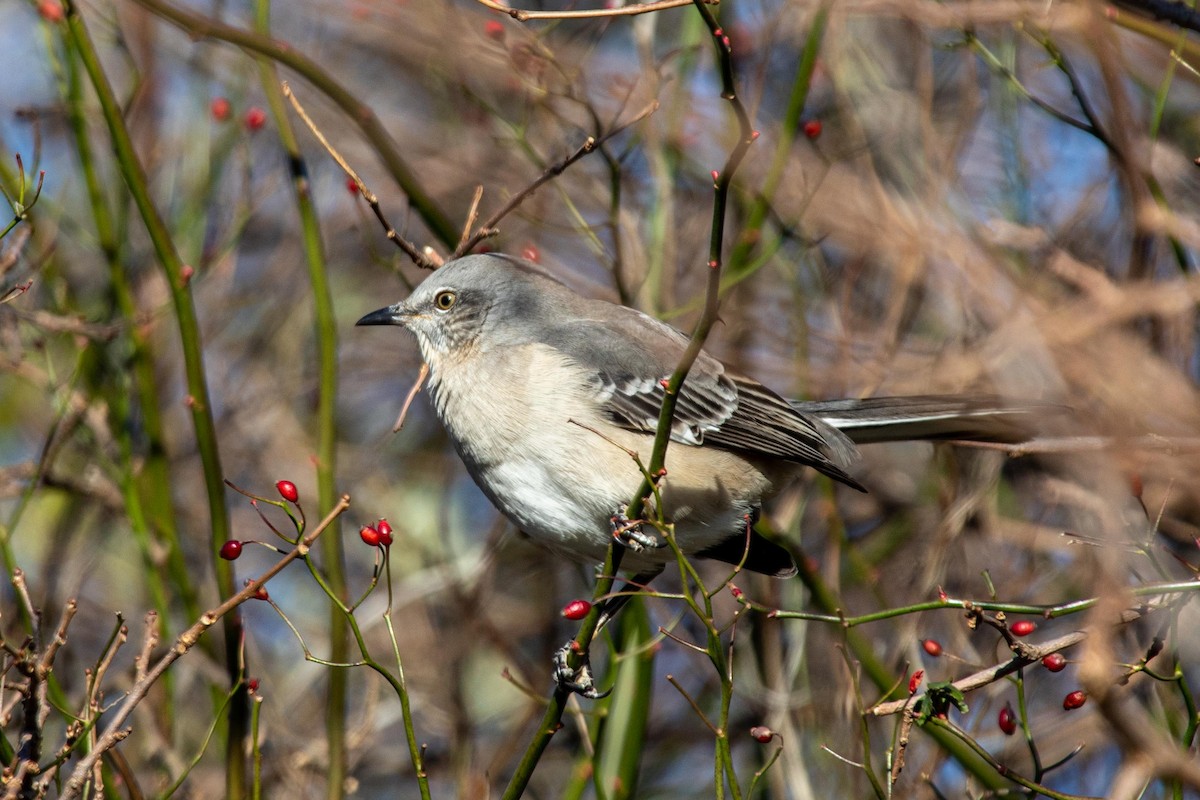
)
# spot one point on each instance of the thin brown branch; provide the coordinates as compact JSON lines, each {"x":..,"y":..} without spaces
{"x":412,"y":395}
{"x":410,"y":249}
{"x":114,"y":733}
{"x":472,"y":216}
{"x":693,"y":704}
{"x":521,"y":15}
{"x":149,"y":642}
{"x":488,"y":228}
{"x":60,"y":638}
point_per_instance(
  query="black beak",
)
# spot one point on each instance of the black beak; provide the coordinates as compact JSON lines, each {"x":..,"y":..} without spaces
{"x":384,"y":316}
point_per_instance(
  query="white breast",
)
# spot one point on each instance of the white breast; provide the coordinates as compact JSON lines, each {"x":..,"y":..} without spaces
{"x":527,"y":424}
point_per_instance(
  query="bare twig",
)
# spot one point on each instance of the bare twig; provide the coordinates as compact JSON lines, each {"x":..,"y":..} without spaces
{"x":693,"y":704}
{"x":472,"y":215}
{"x":60,"y":637}
{"x":149,"y":642}
{"x":412,"y":394}
{"x":520,"y":15}
{"x":488,"y":228}
{"x":114,"y":733}
{"x":410,"y":249}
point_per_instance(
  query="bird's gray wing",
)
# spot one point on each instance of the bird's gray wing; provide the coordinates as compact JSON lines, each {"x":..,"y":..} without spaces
{"x":629,"y":355}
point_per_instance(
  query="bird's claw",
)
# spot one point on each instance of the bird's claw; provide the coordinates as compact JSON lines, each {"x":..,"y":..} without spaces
{"x":629,"y":533}
{"x":576,"y":679}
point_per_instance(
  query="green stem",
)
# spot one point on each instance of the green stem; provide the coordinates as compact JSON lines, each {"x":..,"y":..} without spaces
{"x":147,"y":492}
{"x":712,"y":297}
{"x":1045,"y":611}
{"x":552,"y":720}
{"x":199,"y":401}
{"x":756,"y":216}
{"x":326,"y":335}
{"x":957,"y":734}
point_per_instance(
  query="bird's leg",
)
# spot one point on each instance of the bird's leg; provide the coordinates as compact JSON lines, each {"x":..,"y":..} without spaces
{"x":579,"y":679}
{"x":629,"y":533}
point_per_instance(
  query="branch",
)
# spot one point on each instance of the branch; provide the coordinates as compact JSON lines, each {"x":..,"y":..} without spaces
{"x":521,"y":15}
{"x":114,"y":733}
{"x":994,"y":673}
{"x":488,"y":228}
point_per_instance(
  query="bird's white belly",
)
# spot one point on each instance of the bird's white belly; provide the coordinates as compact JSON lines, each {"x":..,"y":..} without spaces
{"x":534,"y":496}
{"x":559,"y":470}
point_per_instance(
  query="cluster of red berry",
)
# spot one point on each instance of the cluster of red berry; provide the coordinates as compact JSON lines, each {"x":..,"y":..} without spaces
{"x":1007,"y":718}
{"x":221,"y":109}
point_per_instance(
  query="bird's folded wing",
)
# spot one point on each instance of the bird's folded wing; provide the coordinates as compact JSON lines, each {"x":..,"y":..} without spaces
{"x":630,"y":365}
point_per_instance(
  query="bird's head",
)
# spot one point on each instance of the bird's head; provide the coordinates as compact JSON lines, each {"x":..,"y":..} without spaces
{"x":473,"y":303}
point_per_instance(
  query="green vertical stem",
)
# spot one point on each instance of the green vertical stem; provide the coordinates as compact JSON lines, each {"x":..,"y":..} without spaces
{"x":326,"y":336}
{"x":551,"y":721}
{"x":148,"y":495}
{"x":756,"y":216}
{"x":712,"y":300}
{"x":199,"y":401}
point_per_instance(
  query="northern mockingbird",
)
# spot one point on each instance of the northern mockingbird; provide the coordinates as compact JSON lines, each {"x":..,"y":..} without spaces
{"x":545,"y":392}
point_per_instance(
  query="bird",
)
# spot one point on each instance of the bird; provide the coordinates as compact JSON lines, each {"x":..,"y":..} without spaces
{"x":546,"y":393}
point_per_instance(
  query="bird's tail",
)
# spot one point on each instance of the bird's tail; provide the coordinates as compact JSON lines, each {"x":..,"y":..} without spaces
{"x":982,"y":418}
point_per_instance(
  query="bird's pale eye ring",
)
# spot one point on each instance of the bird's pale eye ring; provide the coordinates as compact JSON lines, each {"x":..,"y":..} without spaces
{"x":445,"y":300}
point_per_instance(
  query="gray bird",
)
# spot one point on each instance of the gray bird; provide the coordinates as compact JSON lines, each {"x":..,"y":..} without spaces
{"x":544,"y":393}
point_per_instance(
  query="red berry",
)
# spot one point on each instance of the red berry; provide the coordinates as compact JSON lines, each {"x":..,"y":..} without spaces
{"x":812,"y":128}
{"x":351,"y":186}
{"x":219,"y":108}
{"x":736,"y":592}
{"x":231,"y":550}
{"x":494,"y":29}
{"x":933,"y":647}
{"x":287,"y":490}
{"x":1055,"y":662}
{"x":255,"y":118}
{"x":762,"y":734}
{"x":1023,"y":627}
{"x":915,"y":681}
{"x":261,"y":593}
{"x":385,"y":532}
{"x":576,"y":609}
{"x":51,"y":11}
{"x":369,"y":535}
{"x":1074,"y":700}
{"x":1007,"y":720}
{"x":252,"y":685}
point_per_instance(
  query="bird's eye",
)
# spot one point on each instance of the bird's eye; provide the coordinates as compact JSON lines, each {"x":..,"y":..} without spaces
{"x":445,"y":300}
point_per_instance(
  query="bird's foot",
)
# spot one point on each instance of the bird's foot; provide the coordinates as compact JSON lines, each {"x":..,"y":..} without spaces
{"x":629,"y":533}
{"x":576,"y":679}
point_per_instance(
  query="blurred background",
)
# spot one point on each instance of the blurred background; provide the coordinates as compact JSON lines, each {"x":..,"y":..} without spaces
{"x":943,"y":197}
